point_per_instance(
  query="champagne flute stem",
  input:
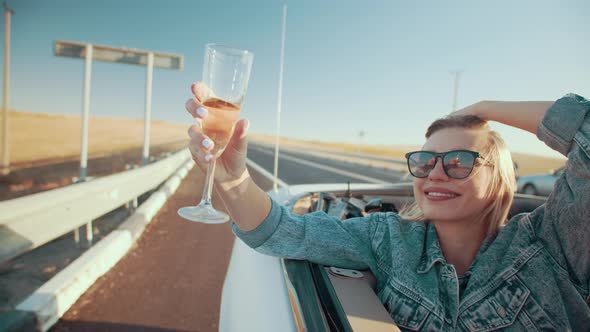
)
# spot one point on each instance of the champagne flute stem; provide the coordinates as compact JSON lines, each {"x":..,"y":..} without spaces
{"x":206,"y":199}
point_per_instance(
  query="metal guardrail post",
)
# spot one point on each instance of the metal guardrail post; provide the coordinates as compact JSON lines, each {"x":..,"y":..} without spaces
{"x":77,"y":236}
{"x":89,"y":234}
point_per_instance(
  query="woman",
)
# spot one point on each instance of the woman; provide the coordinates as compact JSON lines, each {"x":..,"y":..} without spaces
{"x":452,"y":262}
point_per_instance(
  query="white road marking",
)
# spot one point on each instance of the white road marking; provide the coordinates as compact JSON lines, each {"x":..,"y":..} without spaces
{"x":328,"y":168}
{"x":265,"y":173}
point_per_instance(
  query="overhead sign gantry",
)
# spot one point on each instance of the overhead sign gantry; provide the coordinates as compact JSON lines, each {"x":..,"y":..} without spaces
{"x":89,"y":52}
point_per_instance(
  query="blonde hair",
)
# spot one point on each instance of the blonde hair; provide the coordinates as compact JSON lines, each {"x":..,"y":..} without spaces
{"x":502,"y":185}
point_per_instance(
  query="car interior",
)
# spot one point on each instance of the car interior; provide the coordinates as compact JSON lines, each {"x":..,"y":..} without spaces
{"x":350,"y":303}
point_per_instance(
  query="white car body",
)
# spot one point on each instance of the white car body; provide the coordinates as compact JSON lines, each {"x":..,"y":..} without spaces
{"x":254,"y":296}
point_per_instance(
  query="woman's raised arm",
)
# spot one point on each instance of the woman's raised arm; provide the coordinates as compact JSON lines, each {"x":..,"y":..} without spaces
{"x":526,"y":115}
{"x":563,"y":224}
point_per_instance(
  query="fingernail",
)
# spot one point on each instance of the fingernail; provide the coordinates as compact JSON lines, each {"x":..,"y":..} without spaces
{"x":207,"y":143}
{"x":208,"y":157}
{"x":202,"y":112}
{"x":246,"y":126}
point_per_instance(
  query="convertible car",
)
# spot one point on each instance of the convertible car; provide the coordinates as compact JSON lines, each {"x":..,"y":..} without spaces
{"x":541,"y":184}
{"x":263,"y":293}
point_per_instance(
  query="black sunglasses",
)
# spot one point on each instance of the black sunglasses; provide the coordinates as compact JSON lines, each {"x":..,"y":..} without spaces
{"x":457,"y":164}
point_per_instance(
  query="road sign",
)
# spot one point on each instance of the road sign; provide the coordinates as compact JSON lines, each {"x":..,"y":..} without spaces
{"x":119,"y":55}
{"x":123,"y":55}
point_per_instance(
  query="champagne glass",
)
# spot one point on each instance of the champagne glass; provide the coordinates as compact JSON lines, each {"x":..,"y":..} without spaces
{"x":226,"y":72}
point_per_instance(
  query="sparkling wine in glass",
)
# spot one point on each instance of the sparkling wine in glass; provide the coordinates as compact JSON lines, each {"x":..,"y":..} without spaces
{"x":226,"y":72}
{"x":219,"y":124}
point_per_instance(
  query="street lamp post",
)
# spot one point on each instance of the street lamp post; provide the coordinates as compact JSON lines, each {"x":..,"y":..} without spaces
{"x":361,"y":136}
{"x":280,"y":99}
{"x":457,"y":74}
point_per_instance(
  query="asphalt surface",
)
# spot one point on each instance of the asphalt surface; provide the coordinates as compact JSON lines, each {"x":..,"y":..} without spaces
{"x":172,"y":279}
{"x":296,"y":173}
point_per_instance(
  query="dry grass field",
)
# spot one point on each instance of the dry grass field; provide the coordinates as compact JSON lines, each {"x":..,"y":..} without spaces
{"x":37,"y":138}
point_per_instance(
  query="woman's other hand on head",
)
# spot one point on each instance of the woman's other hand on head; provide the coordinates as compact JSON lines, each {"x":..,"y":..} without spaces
{"x":477,"y":109}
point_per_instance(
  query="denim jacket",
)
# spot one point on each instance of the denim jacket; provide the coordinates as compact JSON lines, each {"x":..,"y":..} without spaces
{"x":534,"y":276}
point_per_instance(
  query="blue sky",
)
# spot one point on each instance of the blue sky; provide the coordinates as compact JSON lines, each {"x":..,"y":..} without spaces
{"x":378,"y":66}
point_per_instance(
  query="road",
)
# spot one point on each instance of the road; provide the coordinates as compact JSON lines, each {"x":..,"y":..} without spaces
{"x":299,"y":168}
{"x":172,"y":279}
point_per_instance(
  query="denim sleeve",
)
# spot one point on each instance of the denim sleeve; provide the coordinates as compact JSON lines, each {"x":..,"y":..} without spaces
{"x":316,"y":237}
{"x":564,"y":224}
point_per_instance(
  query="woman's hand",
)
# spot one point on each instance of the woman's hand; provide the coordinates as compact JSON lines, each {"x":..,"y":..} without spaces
{"x":245,"y":202}
{"x":231,"y":165}
{"x":477,"y":109}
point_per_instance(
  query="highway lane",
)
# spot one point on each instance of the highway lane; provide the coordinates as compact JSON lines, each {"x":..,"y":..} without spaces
{"x":302,"y":168}
{"x":355,"y":155}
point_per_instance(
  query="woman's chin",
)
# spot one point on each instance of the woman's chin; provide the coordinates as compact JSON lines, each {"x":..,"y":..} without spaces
{"x":441,"y":214}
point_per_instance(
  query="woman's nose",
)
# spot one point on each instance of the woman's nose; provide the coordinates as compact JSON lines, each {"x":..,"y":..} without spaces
{"x":438,"y":172}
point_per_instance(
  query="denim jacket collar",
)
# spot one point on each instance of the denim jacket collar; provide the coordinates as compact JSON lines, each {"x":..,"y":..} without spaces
{"x":431,"y":253}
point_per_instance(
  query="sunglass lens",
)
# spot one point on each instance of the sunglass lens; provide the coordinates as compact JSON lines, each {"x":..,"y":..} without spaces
{"x":459,"y":164}
{"x":420,"y":164}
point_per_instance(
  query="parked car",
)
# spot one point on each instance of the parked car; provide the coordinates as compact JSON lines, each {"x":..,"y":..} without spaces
{"x":264,"y":293}
{"x":539,"y":184}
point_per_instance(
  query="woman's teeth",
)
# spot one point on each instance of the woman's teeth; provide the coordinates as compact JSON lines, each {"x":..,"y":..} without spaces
{"x":435,"y":194}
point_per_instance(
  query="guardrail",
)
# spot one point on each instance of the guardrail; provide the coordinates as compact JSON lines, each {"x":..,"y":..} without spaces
{"x":29,"y":222}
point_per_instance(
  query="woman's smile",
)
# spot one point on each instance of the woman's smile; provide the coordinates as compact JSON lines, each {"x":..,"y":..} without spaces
{"x":440,"y":194}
